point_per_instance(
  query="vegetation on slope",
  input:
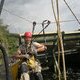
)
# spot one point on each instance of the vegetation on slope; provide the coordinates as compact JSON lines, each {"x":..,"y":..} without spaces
{"x":7,"y":39}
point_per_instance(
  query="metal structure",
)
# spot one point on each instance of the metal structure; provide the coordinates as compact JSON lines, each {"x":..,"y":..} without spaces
{"x":1,"y":5}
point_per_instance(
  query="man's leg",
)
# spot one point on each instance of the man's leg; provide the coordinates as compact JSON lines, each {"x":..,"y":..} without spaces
{"x":24,"y":71}
{"x":25,"y":76}
{"x":38,"y":72}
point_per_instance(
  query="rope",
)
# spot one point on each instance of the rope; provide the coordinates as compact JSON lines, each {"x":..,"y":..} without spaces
{"x":34,"y":24}
{"x":45,"y":27}
{"x":57,"y":65}
{"x":57,"y":31}
{"x":59,"y":37}
{"x":44,"y":23}
{"x":48,"y":22}
{"x":61,"y":41}
{"x":53,"y":10}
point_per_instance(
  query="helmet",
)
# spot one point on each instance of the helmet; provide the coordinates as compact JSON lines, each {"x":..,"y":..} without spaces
{"x":28,"y":34}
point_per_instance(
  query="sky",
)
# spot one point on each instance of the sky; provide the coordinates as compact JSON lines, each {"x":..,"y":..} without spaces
{"x":20,"y":14}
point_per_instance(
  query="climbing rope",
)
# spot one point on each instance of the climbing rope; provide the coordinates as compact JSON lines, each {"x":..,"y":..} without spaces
{"x":44,"y":23}
{"x":59,"y":37}
{"x":61,"y":41}
{"x":47,"y":23}
{"x":58,"y":40}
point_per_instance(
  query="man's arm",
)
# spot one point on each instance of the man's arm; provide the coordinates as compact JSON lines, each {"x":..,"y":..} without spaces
{"x":19,"y":55}
{"x":40,"y":47}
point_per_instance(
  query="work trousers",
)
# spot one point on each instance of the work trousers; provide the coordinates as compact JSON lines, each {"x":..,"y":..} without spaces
{"x":24,"y":73}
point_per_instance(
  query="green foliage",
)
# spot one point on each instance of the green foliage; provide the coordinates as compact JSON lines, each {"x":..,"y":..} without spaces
{"x":6,"y":38}
{"x":3,"y":34}
{"x":13,"y":43}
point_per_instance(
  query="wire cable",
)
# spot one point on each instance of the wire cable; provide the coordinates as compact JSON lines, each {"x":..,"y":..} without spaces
{"x":72,"y":12}
{"x":17,"y":15}
{"x":52,"y":22}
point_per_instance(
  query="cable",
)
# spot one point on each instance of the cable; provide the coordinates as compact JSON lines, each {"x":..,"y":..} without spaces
{"x":72,"y":12}
{"x":32,"y":21}
{"x":17,"y":16}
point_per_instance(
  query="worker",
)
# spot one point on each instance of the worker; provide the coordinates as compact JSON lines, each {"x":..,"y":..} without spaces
{"x":27,"y":52}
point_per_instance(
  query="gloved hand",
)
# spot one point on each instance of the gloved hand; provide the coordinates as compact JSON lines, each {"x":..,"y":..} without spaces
{"x":27,"y":56}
